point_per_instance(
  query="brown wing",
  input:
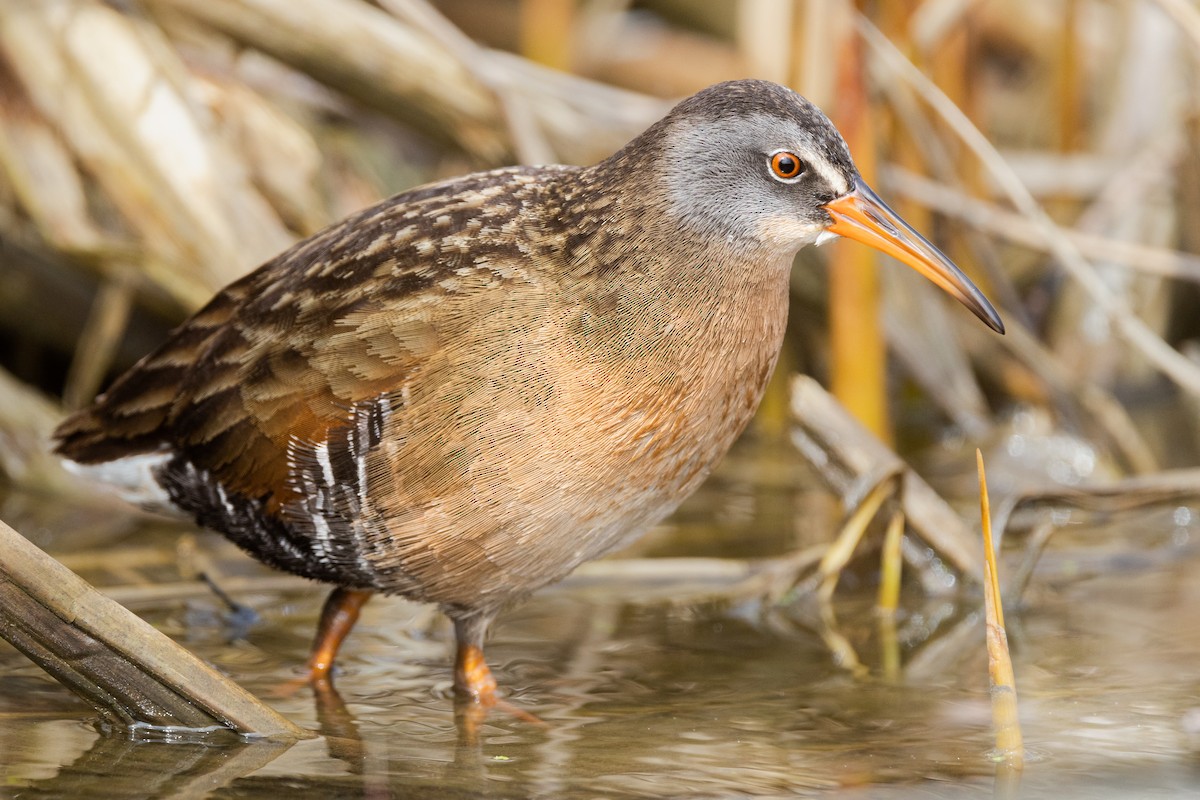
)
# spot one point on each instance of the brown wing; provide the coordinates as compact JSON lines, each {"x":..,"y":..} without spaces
{"x":289,"y":352}
{"x":238,"y":381}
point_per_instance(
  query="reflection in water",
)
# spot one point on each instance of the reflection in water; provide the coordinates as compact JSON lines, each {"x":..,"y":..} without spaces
{"x":119,"y":768}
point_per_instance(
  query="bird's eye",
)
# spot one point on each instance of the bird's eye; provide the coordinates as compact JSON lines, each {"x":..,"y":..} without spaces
{"x":786,"y":165}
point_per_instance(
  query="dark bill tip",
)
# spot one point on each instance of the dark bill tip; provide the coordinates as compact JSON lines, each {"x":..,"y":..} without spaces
{"x":861,"y":215}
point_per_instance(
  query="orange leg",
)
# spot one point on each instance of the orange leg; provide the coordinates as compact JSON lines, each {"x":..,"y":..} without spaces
{"x":337,"y":619}
{"x":472,"y":678}
{"x":474,"y":682}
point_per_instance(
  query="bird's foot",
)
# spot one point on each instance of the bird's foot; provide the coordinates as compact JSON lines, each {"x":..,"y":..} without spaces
{"x":476,"y":689}
{"x":470,"y":714}
{"x":319,"y":678}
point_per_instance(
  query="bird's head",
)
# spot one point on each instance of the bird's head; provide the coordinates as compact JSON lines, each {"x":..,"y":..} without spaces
{"x":753,"y":161}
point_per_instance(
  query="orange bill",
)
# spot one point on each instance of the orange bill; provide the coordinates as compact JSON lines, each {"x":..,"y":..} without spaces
{"x":861,"y":215}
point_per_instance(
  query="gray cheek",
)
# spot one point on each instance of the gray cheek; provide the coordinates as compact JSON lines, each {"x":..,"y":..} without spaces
{"x":712,"y":185}
{"x":719,"y":201}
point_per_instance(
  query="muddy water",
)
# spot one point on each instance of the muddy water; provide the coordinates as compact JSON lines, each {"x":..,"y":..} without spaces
{"x":645,"y":688}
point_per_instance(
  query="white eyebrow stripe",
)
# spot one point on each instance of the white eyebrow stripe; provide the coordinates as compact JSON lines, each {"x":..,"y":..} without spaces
{"x":833,"y":176}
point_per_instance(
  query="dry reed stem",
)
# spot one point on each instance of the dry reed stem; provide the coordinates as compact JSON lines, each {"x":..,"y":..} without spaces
{"x":1068,"y":79}
{"x":920,"y":328}
{"x":1110,"y":419}
{"x":100,"y":338}
{"x":546,"y":30}
{"x":529,"y":140}
{"x":891,"y":569}
{"x":765,"y":37}
{"x":841,"y":550}
{"x":408,"y":66}
{"x":1017,"y":228}
{"x":858,"y":368}
{"x":1168,"y":360}
{"x":1187,"y":17}
{"x":40,"y":173}
{"x":891,"y":565}
{"x":1124,"y":494}
{"x":364,"y":52}
{"x":852,"y":461}
{"x":111,"y":85}
{"x":1005,"y":719}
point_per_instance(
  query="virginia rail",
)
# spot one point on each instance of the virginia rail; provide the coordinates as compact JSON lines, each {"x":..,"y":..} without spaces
{"x":460,"y":394}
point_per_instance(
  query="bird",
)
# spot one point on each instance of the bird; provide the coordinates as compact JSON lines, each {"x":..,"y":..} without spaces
{"x":460,"y":394}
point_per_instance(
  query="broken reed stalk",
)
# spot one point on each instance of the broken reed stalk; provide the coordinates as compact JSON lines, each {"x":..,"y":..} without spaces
{"x":850,"y":459}
{"x":1009,"y":746}
{"x":891,"y":565}
{"x":841,"y":550}
{"x":134,"y":675}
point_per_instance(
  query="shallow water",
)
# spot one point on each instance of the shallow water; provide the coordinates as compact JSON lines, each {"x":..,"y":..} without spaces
{"x":646,"y":689}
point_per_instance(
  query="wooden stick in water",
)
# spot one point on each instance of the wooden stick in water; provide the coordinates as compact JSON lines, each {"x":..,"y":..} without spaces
{"x":133,"y":674}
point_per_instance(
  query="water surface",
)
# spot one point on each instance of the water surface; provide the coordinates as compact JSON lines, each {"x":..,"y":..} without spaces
{"x":659,"y":685}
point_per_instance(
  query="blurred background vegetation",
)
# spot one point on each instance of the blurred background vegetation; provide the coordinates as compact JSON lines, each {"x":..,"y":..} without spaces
{"x":151,"y":151}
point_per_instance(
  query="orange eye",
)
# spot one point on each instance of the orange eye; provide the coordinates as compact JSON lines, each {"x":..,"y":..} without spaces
{"x":786,"y":165}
